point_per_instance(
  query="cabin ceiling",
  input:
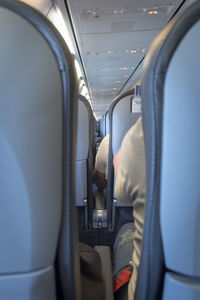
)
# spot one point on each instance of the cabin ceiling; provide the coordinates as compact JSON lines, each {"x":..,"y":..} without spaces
{"x":113,"y":37}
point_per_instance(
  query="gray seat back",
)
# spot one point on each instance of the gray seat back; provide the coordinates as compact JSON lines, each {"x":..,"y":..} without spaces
{"x":35,"y":67}
{"x":107,"y":131}
{"x":85,"y":157}
{"x":121,"y":120}
{"x":103,"y":126}
{"x":82,"y":150}
{"x":171,"y":247}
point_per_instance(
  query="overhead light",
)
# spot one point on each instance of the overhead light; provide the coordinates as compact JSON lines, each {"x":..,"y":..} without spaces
{"x":114,"y":89}
{"x":158,"y":9}
{"x":115,"y":52}
{"x":137,"y":50}
{"x":126,"y":76}
{"x":133,"y":51}
{"x":118,"y":81}
{"x":124,"y":68}
{"x":95,"y":53}
{"x":98,"y":13}
{"x":153,"y":12}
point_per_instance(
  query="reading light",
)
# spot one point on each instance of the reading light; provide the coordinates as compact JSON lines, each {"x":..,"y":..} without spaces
{"x":133,"y":51}
{"x":129,"y":11}
{"x":153,"y":12}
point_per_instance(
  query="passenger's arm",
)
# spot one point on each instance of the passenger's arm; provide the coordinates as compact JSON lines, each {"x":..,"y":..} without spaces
{"x":99,"y":179}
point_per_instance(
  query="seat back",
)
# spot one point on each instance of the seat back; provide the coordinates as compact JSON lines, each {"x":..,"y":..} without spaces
{"x":121,"y":120}
{"x":36,"y":77}
{"x":107,"y":130}
{"x":85,"y":158}
{"x":170,"y":262}
{"x":103,"y":126}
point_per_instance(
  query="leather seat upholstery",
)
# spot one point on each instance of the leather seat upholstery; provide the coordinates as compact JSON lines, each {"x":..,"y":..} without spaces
{"x":37,"y":128}
{"x":121,"y":119}
{"x":85,"y":158}
{"x":169,"y":266}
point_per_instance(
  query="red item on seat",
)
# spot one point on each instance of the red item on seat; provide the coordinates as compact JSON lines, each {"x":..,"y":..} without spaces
{"x":122,"y":279}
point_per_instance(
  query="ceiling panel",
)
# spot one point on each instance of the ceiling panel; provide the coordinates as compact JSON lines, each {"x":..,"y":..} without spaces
{"x":113,"y":37}
{"x":121,"y":16}
{"x":119,"y":41}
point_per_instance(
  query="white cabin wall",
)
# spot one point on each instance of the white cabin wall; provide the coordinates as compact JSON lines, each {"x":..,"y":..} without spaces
{"x":42,"y":5}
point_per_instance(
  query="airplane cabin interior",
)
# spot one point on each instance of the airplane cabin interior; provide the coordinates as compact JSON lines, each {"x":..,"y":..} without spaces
{"x":99,"y":167}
